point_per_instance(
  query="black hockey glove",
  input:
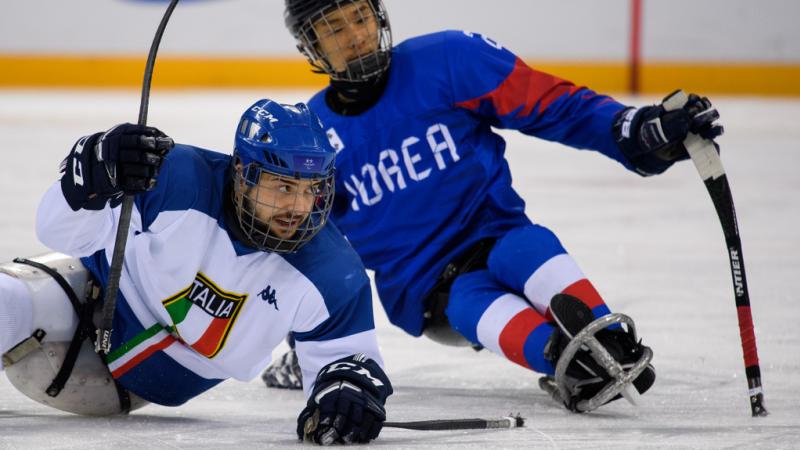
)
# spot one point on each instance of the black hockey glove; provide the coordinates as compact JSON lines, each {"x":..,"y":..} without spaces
{"x":346,"y":405}
{"x":105,"y":166}
{"x":652,"y":137}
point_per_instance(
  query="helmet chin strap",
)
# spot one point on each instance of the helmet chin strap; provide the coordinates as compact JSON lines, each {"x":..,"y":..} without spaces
{"x":354,"y":97}
{"x":231,"y":218}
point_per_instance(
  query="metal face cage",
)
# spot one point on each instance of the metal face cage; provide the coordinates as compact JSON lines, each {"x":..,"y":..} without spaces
{"x":279,"y":213}
{"x":349,"y":41}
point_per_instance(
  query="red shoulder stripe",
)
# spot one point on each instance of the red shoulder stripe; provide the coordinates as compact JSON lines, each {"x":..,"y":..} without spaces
{"x":523,"y":90}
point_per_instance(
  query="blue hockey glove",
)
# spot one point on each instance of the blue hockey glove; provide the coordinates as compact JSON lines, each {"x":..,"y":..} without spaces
{"x":347,"y":404}
{"x":105,"y":166}
{"x":652,"y":137}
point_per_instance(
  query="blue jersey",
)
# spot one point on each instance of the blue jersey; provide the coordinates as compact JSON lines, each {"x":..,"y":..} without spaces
{"x":421,"y":176}
{"x":196,"y":306}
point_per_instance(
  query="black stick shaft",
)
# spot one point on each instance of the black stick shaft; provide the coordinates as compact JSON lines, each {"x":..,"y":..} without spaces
{"x":720,"y":193}
{"x":708,"y":164}
{"x":103,"y":342}
{"x":458,"y":424}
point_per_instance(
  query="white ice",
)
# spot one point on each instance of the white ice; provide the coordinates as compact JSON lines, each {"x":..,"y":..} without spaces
{"x":653,"y":247}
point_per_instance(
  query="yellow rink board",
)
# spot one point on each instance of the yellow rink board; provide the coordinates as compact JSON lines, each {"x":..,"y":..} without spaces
{"x":175,"y":72}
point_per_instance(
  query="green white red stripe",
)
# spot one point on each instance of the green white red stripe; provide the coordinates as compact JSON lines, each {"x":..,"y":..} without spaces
{"x":138,"y":349}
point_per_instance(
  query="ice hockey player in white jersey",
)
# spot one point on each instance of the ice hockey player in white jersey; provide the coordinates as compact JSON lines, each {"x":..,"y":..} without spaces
{"x":225,"y":256}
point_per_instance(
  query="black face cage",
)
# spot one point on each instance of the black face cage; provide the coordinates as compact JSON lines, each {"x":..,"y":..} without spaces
{"x":306,"y":212}
{"x":364,"y":67}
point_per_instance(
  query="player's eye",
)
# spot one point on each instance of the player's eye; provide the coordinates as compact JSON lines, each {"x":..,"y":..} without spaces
{"x":314,"y":190}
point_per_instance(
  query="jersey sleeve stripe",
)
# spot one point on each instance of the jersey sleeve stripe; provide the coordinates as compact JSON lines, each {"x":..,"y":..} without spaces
{"x":138,"y":339}
{"x":524,"y":91}
{"x":140,"y":353}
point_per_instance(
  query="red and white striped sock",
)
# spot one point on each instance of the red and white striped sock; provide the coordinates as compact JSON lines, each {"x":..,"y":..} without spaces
{"x":561,"y":274}
{"x":511,"y":328}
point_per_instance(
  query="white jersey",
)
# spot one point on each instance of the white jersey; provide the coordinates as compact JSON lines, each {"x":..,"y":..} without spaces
{"x":196,"y":306}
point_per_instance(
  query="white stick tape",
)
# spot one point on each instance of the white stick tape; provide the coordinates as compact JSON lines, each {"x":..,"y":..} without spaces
{"x":704,"y":156}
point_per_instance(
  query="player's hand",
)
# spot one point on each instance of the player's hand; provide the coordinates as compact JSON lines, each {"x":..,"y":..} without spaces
{"x":347,"y":404}
{"x":652,"y":137}
{"x":105,"y":166}
{"x":132,"y":155}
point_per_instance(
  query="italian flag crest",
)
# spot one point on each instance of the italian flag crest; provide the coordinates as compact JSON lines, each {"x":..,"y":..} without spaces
{"x":203,"y":315}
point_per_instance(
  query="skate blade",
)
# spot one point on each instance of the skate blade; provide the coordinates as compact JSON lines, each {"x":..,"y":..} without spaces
{"x":631,"y":395}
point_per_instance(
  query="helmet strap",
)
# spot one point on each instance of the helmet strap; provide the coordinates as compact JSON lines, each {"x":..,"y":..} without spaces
{"x":231,"y":218}
{"x":350,"y":98}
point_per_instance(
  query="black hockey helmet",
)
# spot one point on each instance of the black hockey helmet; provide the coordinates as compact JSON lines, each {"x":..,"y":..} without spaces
{"x":301,"y":16}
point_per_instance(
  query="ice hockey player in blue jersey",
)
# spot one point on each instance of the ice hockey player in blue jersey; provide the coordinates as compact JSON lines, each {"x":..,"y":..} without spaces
{"x":225,"y":256}
{"x":423,"y":191}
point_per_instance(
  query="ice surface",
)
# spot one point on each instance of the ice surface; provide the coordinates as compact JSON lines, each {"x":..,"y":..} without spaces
{"x":653,"y":248}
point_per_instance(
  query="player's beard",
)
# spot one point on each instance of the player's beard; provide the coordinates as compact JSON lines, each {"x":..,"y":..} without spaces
{"x":244,"y":226}
{"x":267,"y":238}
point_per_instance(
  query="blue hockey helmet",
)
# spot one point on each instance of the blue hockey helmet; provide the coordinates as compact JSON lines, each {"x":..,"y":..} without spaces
{"x":283,"y":169}
{"x":308,"y":21}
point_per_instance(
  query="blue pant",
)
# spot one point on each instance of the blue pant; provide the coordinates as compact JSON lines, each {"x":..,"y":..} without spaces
{"x":505,"y":307}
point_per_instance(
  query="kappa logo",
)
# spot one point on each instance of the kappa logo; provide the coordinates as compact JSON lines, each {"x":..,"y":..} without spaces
{"x":268,"y":295}
{"x":203,"y":315}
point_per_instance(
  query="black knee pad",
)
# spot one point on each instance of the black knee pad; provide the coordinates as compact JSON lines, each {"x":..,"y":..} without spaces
{"x":437,"y":327}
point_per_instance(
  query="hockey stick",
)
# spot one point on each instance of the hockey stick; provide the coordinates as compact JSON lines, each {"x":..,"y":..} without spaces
{"x":103,"y":342}
{"x":709,"y":165}
{"x":459,"y":424}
